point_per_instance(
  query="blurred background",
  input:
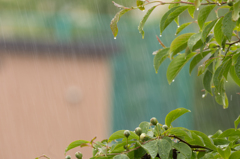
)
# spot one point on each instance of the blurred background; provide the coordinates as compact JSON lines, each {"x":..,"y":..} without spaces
{"x":63,"y":77}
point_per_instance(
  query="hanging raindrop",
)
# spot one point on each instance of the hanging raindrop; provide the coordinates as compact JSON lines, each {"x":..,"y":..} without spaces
{"x":173,"y":80}
{"x":178,"y":26}
{"x":203,"y":96}
{"x":161,"y":35}
{"x":197,"y":8}
{"x":115,"y":37}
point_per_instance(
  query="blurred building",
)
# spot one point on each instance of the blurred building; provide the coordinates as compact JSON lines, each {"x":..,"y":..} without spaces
{"x":52,"y":94}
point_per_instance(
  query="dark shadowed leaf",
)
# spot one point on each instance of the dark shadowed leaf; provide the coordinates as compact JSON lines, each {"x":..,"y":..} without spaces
{"x":228,"y":25}
{"x":218,"y":33}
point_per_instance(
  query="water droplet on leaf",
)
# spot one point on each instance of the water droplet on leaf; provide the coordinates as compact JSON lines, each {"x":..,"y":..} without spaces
{"x":161,"y":35}
{"x":173,"y":80}
{"x":203,"y":96}
{"x":178,"y":26}
{"x":197,"y":8}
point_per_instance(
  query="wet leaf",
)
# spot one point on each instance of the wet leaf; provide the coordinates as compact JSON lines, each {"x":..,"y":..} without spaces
{"x":176,"y":65}
{"x":179,"y":43}
{"x":113,"y":24}
{"x":174,"y":114}
{"x":142,"y":23}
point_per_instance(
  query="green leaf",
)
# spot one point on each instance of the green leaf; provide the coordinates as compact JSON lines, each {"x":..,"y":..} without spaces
{"x":207,"y":30}
{"x":142,"y":23}
{"x":195,"y":140}
{"x":207,"y":81}
{"x":197,"y":59}
{"x":193,"y":40}
{"x":121,"y":156}
{"x":75,"y":144}
{"x":120,"y":134}
{"x":218,"y":33}
{"x":191,"y":11}
{"x":236,"y":122}
{"x":197,"y":4}
{"x":208,"y":156}
{"x":229,"y":132}
{"x":221,"y":142}
{"x":164,"y":18}
{"x":228,"y":25}
{"x":217,"y":134}
{"x":225,"y":153}
{"x":207,"y":141}
{"x":138,"y":153}
{"x":235,"y":14}
{"x":234,"y":75}
{"x":235,"y":58}
{"x":237,"y":67}
{"x":179,"y":43}
{"x":164,"y":148}
{"x":176,"y":65}
{"x":226,"y":67}
{"x":179,"y":29}
{"x":174,"y":114}
{"x":140,"y":4}
{"x":235,"y":155}
{"x":144,"y":126}
{"x":170,"y":16}
{"x":203,"y":14}
{"x":152,"y":148}
{"x":183,"y":149}
{"x":180,"y":132}
{"x":160,"y":56}
{"x":121,"y":144}
{"x":113,"y":24}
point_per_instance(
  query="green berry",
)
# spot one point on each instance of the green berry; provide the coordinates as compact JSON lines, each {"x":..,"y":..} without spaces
{"x":153,"y":121}
{"x":68,"y":157}
{"x":143,"y":136}
{"x":126,"y":133}
{"x":165,"y":127}
{"x":138,"y":131}
{"x":230,"y":3}
{"x":78,"y":155}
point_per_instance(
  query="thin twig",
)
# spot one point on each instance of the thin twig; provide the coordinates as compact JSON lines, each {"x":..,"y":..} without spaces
{"x":192,"y":146}
{"x":160,"y":42}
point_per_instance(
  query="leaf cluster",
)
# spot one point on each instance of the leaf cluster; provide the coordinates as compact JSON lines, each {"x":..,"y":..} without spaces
{"x":213,"y":49}
{"x":165,"y":142}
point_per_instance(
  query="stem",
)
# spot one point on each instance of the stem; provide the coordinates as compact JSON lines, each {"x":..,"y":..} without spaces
{"x":160,"y":42}
{"x":192,"y":146}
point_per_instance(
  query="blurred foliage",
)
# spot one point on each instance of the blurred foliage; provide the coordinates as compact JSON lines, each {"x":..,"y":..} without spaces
{"x":94,"y":6}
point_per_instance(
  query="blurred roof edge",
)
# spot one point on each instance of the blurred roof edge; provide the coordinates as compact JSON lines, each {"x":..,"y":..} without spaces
{"x":97,"y":49}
